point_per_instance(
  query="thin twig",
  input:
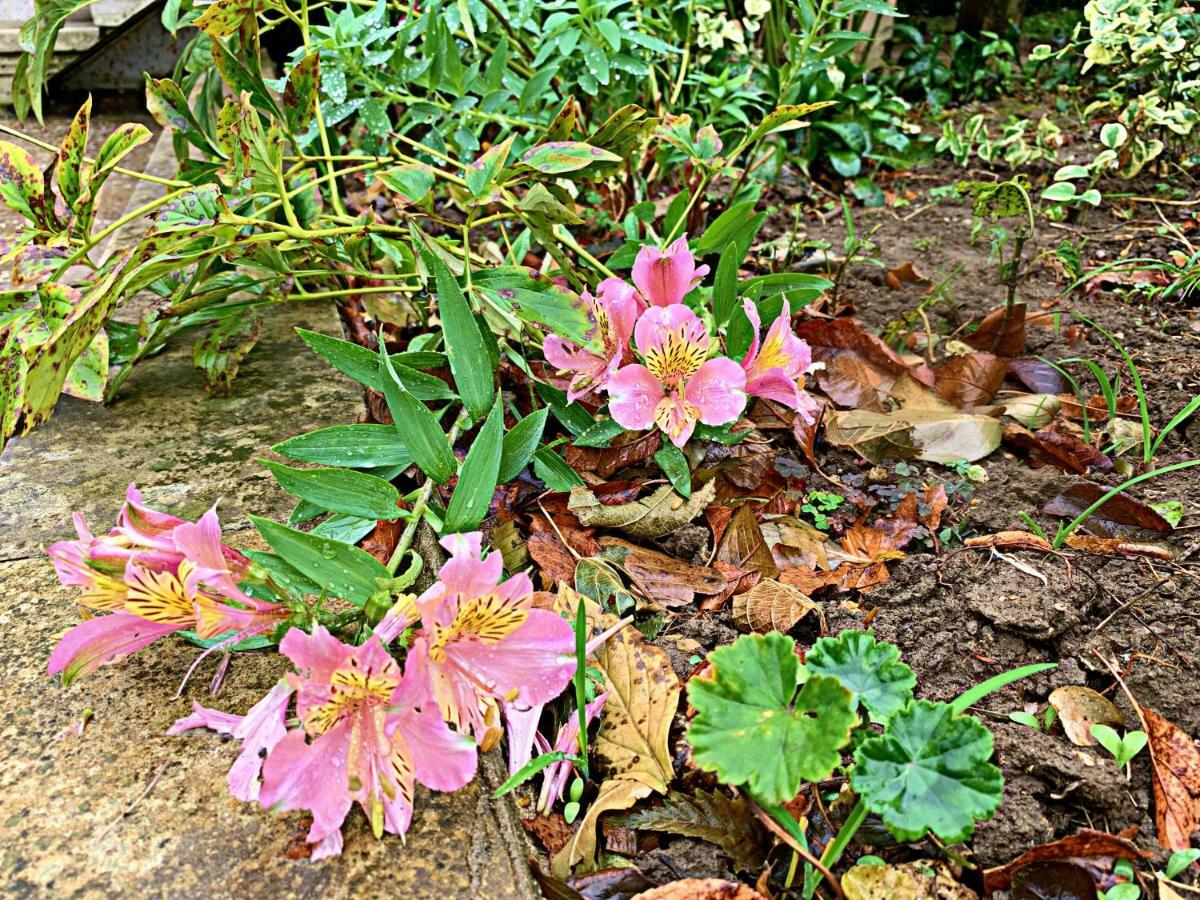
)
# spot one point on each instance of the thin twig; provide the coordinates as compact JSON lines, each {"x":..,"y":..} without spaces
{"x":132,"y":806}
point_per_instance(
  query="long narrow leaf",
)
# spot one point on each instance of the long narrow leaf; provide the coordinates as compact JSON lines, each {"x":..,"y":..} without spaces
{"x":341,"y":569}
{"x":478,"y":477}
{"x":340,"y":490}
{"x":417,"y":427}
{"x":470,"y":362}
{"x":520,"y":444}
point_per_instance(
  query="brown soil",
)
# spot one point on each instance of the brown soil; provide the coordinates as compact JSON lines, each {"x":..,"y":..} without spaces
{"x":965,"y":616}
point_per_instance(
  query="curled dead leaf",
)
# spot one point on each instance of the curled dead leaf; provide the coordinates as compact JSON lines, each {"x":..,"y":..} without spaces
{"x":1057,"y":447}
{"x":771,"y":606}
{"x":743,"y":545}
{"x":1086,"y":844}
{"x":1119,"y":514}
{"x":659,"y":514}
{"x":1009,"y":540}
{"x":905,"y":273}
{"x":1079,"y":708}
{"x":1000,"y":332}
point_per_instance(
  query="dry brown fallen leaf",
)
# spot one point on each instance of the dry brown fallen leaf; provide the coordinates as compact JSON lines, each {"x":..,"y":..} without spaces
{"x":1119,"y":514}
{"x":667,"y":580}
{"x":924,"y":427}
{"x":1079,"y":708}
{"x":743,"y":545}
{"x":630,"y":749}
{"x":935,"y":499}
{"x":1057,"y":447}
{"x":628,"y":449}
{"x":971,"y":379}
{"x":863,"y":555}
{"x":659,"y":514}
{"x":1086,"y":844}
{"x":1175,"y":764}
{"x":1115,"y":546}
{"x":905,"y":273}
{"x":700,"y":889}
{"x":909,"y":881}
{"x":771,"y":606}
{"x":1009,"y":540}
{"x":1011,"y":339}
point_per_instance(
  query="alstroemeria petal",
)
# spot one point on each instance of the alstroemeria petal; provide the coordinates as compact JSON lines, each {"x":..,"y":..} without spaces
{"x":633,"y":396}
{"x":442,"y":759}
{"x":531,"y":665}
{"x":718,"y":390}
{"x":666,"y":277}
{"x":673,"y":341}
{"x":300,"y":775}
{"x":103,"y":640}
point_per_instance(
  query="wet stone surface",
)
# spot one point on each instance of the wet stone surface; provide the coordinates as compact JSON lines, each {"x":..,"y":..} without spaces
{"x":95,"y":800}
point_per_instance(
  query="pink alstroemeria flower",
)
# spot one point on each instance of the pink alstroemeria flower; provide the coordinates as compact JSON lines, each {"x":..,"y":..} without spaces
{"x":482,"y":642}
{"x":664,"y":278}
{"x":554,"y":779}
{"x":156,"y":574}
{"x":368,"y":734}
{"x":776,"y":369}
{"x":614,"y":310}
{"x":678,"y":386}
{"x":259,"y":730}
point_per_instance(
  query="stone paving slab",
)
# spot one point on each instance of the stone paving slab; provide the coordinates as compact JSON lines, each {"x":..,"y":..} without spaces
{"x":121,"y":809}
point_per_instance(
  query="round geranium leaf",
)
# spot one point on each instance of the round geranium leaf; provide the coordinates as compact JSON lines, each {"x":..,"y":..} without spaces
{"x":870,"y":669}
{"x":929,"y":771}
{"x":751,"y":726}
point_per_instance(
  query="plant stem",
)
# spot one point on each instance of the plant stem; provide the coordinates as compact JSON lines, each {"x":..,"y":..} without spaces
{"x":835,"y":848}
{"x":581,"y":682}
{"x":418,"y":510}
{"x":141,"y":176}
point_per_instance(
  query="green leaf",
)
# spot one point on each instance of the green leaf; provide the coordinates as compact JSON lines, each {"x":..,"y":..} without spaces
{"x":89,"y":373}
{"x":300,"y":93}
{"x":753,"y":729}
{"x":520,"y":443}
{"x":561,"y":157}
{"x":1113,"y":135}
{"x":222,"y":18}
{"x":553,"y":470}
{"x":598,"y":580}
{"x":417,"y":427}
{"x":478,"y":477}
{"x":870,"y":670}
{"x":1065,"y":173}
{"x":554,"y":309}
{"x":362,"y":365}
{"x":599,"y":434}
{"x":284,"y":574}
{"x":340,"y":490}
{"x":481,"y":174}
{"x":675,"y":466}
{"x":341,"y":569}
{"x":788,"y":117}
{"x":22,"y":188}
{"x":530,"y":769}
{"x":1059,"y":192}
{"x":929,"y":772}
{"x":70,"y":155}
{"x":725,"y":284}
{"x":350,"y":446}
{"x":166,"y":102}
{"x":474,"y":376}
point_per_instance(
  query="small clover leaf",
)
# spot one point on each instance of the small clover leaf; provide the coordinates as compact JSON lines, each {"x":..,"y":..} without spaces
{"x":929,"y":772}
{"x":871,"y":670}
{"x":752,"y":728}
